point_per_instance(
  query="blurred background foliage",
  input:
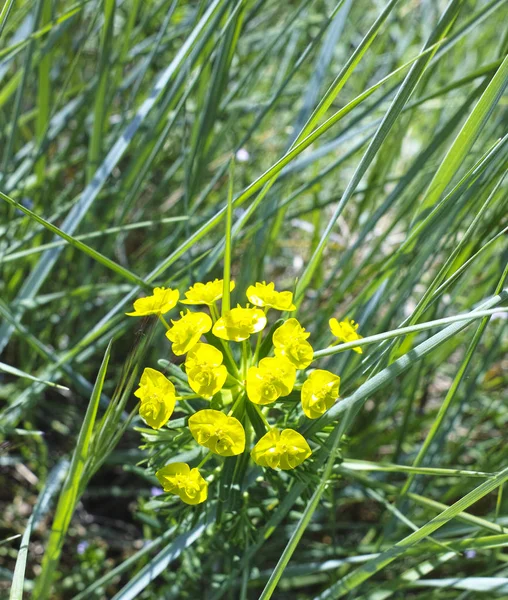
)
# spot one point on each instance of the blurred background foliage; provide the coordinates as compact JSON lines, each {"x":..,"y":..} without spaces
{"x":118,"y":122}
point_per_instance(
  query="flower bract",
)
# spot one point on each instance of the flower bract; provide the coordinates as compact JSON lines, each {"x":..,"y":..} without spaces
{"x":216,"y":431}
{"x":206,"y":293}
{"x":186,"y":332}
{"x":283,"y":450}
{"x":159,"y":303}
{"x":157,"y":396}
{"x":264,"y":294}
{"x":345,"y":331}
{"x":272,"y":378}
{"x":319,"y":393}
{"x":290,"y":341}
{"x":239,"y":323}
{"x":178,"y":478}
{"x":205,"y":371}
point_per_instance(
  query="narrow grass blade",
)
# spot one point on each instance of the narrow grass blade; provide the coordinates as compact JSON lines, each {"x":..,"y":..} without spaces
{"x":69,"y":495}
{"x":358,"y":576}
{"x":411,"y":81}
{"x":379,"y":337}
{"x":498,"y":586}
{"x":86,"y":236}
{"x":4,"y":14}
{"x":53,"y":482}
{"x":388,"y":374}
{"x":160,"y":562}
{"x":18,"y":373}
{"x":227,"y":252}
{"x":44,"y":95}
{"x":466,"y":137}
{"x":103,"y":260}
{"x":304,"y":521}
{"x":37,"y":277}
{"x":451,"y":394}
{"x":101,"y":96}
{"x":365,"y":465}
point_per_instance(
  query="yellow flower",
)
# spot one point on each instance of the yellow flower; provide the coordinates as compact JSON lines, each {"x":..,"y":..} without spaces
{"x":205,"y":370}
{"x":346,"y":331}
{"x":219,"y":433}
{"x":319,"y":393}
{"x":264,"y":294}
{"x":239,"y":323}
{"x":286,"y":449}
{"x":158,"y":398}
{"x":186,"y":332}
{"x":206,"y":293}
{"x":290,"y":341}
{"x":178,"y":478}
{"x":272,"y":378}
{"x":159,"y":303}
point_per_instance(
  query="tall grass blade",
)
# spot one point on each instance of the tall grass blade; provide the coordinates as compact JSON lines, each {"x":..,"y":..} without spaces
{"x":69,"y":495}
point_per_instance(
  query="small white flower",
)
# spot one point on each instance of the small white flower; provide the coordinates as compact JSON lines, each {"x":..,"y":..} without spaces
{"x":242,"y":155}
{"x":297,"y":262}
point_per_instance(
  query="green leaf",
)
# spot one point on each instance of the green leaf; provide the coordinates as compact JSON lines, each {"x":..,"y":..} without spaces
{"x":110,"y":264}
{"x":466,"y":137}
{"x":18,"y":373}
{"x":361,"y":574}
{"x":411,"y":81}
{"x":50,"y":488}
{"x":70,"y":492}
{"x":387,"y":375}
{"x":226,"y":304}
{"x":160,"y":562}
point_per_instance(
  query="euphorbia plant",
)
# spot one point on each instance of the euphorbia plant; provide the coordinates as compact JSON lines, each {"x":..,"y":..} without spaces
{"x":261,"y":373}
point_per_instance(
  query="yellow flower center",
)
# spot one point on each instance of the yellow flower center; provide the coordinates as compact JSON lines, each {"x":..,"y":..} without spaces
{"x":269,"y":387}
{"x":151,"y":405}
{"x":296,"y":350}
{"x":205,"y":378}
{"x":243,"y":323}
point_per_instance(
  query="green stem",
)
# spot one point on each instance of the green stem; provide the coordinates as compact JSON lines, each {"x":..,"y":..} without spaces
{"x":205,"y":458}
{"x":259,"y":340}
{"x":246,"y":354}
{"x":214,"y":311}
{"x":260,"y":413}
{"x":164,"y":322}
{"x":225,"y":346}
{"x":240,"y":397}
{"x":258,"y":346}
{"x":227,"y":350}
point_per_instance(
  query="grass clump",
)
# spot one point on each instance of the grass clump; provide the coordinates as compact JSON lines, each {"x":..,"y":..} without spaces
{"x":353,"y":153}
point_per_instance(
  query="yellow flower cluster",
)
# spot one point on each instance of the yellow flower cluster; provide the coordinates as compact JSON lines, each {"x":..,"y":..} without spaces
{"x":210,"y":367}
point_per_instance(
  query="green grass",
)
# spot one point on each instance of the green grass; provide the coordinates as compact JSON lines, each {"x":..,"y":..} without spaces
{"x":353,"y":152}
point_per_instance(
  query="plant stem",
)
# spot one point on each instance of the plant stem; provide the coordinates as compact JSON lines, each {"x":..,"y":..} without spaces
{"x":164,"y":322}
